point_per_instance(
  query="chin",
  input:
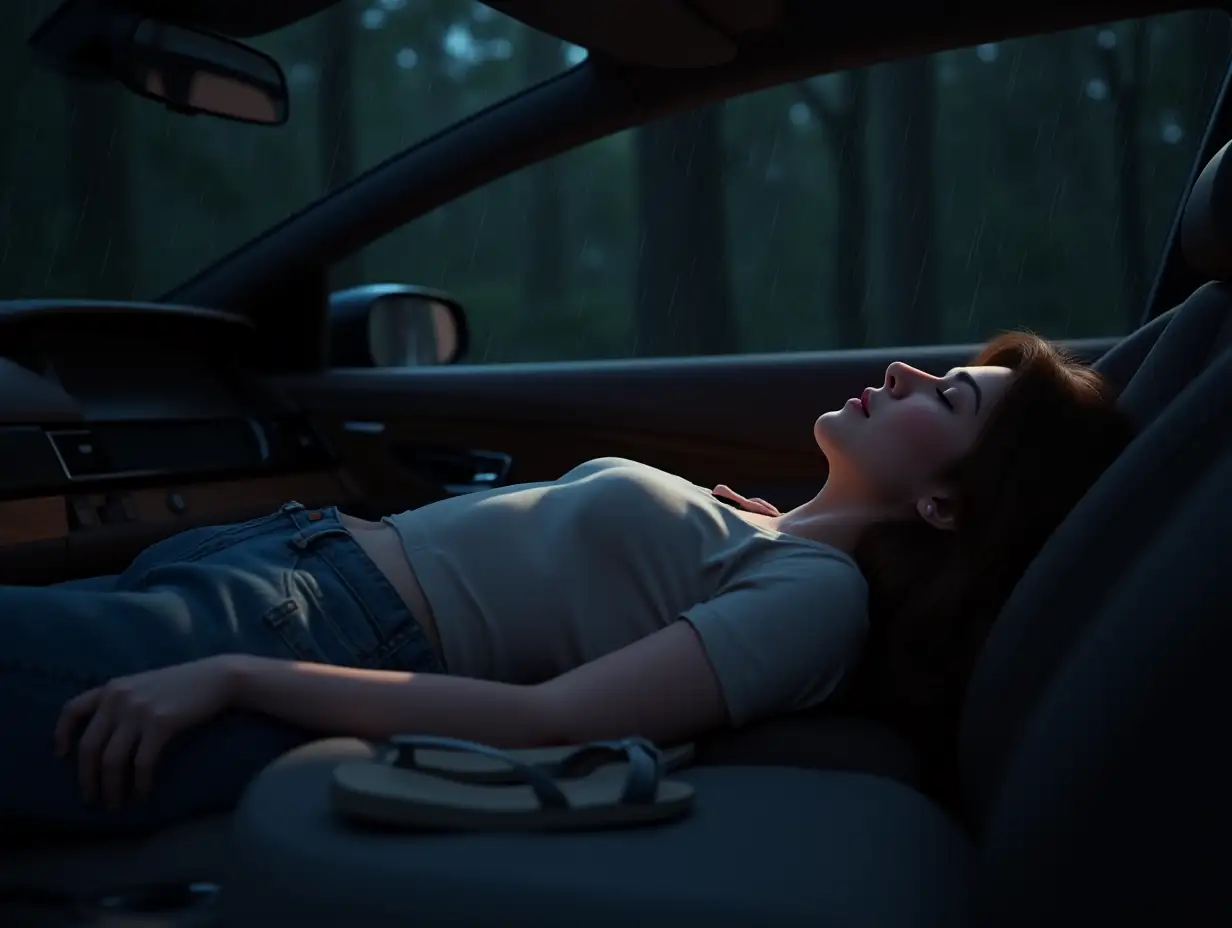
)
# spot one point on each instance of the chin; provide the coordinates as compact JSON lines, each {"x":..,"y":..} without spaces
{"x":825,"y":428}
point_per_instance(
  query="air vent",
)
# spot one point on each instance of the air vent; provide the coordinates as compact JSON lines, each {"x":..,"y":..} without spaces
{"x":79,"y":453}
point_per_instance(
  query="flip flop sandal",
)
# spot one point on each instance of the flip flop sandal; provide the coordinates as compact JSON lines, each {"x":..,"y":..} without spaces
{"x":614,"y":795}
{"x":559,"y":763}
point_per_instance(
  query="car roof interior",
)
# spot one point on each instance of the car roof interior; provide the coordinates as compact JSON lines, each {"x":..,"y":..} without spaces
{"x":1090,"y":780}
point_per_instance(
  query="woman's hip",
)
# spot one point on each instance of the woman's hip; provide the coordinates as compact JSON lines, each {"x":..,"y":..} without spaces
{"x":293,"y":584}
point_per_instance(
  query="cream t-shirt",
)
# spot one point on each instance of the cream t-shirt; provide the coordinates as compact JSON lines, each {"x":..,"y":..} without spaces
{"x":529,"y":581}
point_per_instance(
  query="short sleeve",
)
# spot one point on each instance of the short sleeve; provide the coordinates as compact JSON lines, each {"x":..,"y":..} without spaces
{"x":783,"y":634}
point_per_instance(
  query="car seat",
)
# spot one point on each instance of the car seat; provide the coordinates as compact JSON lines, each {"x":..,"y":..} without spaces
{"x":1181,"y":400}
{"x":1100,"y":813}
{"x":1092,"y":765}
{"x":1113,"y":807}
{"x":1041,"y":622}
{"x":1203,"y":333}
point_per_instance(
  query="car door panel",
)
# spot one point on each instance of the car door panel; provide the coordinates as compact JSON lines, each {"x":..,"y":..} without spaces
{"x":412,"y":435}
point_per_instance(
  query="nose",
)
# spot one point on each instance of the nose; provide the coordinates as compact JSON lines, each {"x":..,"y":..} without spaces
{"x":901,"y":379}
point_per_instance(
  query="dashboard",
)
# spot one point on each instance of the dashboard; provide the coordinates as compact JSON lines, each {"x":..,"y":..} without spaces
{"x":121,"y":423}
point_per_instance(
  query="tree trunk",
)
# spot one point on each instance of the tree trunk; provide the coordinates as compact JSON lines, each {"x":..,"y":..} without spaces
{"x":100,"y":190}
{"x":851,"y":247}
{"x":335,"y":116}
{"x":845,"y":126}
{"x":22,"y":234}
{"x":904,"y":95}
{"x":683,"y":303}
{"x":1208,"y":35}
{"x":543,"y":280}
{"x":1126,"y":78}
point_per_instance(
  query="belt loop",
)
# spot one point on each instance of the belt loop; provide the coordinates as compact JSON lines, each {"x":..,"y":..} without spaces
{"x":310,"y":523}
{"x":292,"y":506}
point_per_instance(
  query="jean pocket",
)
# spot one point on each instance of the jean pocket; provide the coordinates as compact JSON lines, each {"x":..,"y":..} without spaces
{"x":290,"y":622}
{"x":340,"y":608}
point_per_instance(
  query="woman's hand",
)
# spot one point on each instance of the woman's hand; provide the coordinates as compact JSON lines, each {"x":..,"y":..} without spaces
{"x":129,"y":720}
{"x":755,"y":504}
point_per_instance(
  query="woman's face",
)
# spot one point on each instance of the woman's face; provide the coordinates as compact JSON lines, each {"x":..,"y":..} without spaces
{"x":897,"y":441}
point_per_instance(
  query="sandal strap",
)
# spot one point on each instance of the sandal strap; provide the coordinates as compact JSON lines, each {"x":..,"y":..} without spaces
{"x":547,"y":793}
{"x":644,"y":759}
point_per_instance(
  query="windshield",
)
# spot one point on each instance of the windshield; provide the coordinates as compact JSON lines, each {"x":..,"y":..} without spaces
{"x":106,"y":195}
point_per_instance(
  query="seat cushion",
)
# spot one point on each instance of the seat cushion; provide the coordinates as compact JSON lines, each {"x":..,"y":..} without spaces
{"x":764,"y":845}
{"x":195,"y":852}
{"x":191,"y":853}
{"x":815,"y":739}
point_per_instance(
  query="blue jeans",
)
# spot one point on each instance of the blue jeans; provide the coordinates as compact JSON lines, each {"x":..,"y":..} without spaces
{"x":293,"y":585}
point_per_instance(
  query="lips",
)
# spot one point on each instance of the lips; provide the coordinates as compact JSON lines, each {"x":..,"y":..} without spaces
{"x":864,"y":397}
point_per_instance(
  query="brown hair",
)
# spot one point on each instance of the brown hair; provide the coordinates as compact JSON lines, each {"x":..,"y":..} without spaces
{"x":935,"y":594}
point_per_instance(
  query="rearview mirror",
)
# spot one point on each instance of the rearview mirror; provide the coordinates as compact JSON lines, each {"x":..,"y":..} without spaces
{"x":197,"y":72}
{"x":395,"y":325}
{"x":187,"y":70}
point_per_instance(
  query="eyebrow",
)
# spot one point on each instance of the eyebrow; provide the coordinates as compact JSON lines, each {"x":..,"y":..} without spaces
{"x":966,"y":378}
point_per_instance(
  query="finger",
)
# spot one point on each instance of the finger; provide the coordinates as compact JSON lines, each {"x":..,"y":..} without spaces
{"x":76,"y":711}
{"x":148,"y":750}
{"x":729,"y":493}
{"x":115,"y":760}
{"x":750,"y":505}
{"x":90,"y":748}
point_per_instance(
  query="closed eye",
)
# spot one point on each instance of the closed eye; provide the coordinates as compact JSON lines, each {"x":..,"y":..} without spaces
{"x":945,"y":399}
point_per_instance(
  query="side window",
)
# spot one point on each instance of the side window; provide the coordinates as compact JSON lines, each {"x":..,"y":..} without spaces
{"x":1028,"y":183}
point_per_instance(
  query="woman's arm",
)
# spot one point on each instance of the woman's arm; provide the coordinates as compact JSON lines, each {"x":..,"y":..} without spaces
{"x":376,"y":704}
{"x":661,"y":687}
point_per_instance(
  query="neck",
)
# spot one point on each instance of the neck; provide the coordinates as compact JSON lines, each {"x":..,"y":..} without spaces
{"x":836,"y":516}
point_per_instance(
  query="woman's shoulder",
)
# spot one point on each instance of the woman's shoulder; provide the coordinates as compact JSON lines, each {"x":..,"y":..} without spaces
{"x":805,"y":551}
{"x":811,"y":565}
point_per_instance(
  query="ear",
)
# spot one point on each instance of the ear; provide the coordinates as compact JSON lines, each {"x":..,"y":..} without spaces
{"x":937,"y":511}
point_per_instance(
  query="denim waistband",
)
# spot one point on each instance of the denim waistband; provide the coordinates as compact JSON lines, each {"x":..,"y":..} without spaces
{"x":329,"y":547}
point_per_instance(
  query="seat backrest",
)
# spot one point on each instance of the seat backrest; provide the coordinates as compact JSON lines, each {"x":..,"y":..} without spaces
{"x":1082,"y":561}
{"x":1115,"y":806}
{"x":1206,"y":238}
{"x":1193,"y":336}
{"x":1180,"y":396}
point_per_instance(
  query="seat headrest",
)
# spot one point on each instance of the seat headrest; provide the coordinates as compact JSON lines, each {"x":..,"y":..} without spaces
{"x":1206,"y":226}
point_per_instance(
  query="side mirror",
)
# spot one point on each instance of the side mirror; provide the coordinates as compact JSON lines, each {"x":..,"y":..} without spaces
{"x":396,"y":325}
{"x":187,"y":70}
